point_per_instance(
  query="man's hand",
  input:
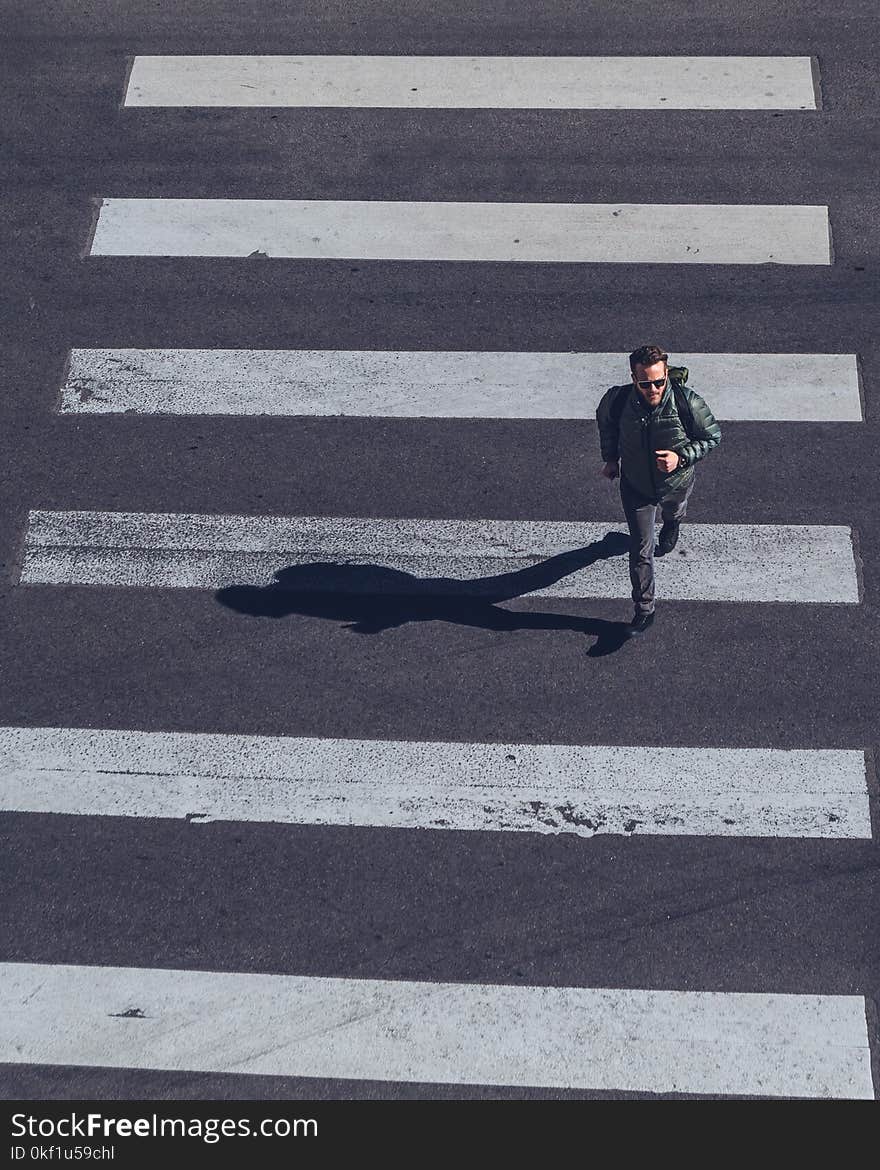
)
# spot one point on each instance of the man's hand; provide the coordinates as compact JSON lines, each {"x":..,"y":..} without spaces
{"x":667,"y":460}
{"x":610,"y":470}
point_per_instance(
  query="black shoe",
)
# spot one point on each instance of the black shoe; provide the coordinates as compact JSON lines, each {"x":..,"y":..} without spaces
{"x":668,"y":537}
{"x":640,"y":623}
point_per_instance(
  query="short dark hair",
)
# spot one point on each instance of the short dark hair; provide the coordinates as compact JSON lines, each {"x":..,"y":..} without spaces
{"x":647,"y":355}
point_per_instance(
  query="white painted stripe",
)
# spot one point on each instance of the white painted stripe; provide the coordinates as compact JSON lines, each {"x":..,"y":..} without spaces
{"x":814,"y":387}
{"x":702,"y":1042}
{"x":634,"y":233}
{"x":421,"y":82}
{"x":542,"y":788}
{"x":712,"y":562}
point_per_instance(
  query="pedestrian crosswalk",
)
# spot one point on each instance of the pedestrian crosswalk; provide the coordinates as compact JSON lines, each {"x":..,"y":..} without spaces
{"x":672,"y":1038}
{"x":496,"y":560}
{"x":423,"y":82}
{"x":369,"y":1029}
{"x":777,"y":387}
{"x":374,"y":229}
{"x":540,"y":788}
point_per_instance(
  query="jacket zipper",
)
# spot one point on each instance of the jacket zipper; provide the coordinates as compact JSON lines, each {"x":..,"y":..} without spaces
{"x":649,"y":430}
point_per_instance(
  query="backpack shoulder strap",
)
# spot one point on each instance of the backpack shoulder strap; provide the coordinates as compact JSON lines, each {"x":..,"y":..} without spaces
{"x":682,"y":400}
{"x":618,"y":402}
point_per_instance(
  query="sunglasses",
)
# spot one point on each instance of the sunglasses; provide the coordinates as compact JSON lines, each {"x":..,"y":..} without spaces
{"x":658,"y":382}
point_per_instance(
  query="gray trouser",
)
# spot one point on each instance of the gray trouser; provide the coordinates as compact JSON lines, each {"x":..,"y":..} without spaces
{"x":641,"y":517}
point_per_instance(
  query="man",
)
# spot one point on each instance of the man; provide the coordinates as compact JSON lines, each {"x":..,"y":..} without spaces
{"x":651,"y":434}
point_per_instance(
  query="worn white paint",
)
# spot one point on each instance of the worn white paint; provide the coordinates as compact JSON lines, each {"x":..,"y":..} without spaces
{"x":427,"y":558}
{"x":701,"y":1042}
{"x":420,"y":82}
{"x":800,"y":387}
{"x":543,"y":788}
{"x":634,"y":233}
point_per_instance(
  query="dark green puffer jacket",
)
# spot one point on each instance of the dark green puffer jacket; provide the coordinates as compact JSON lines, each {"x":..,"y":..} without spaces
{"x":644,"y":430}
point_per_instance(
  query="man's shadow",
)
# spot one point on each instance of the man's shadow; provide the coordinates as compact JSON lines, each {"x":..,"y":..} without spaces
{"x":371,"y":598}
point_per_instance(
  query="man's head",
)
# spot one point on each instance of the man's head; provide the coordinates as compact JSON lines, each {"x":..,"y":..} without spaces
{"x":649,"y":369}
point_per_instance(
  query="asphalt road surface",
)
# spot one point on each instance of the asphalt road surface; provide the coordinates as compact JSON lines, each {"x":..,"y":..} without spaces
{"x":767,"y":913}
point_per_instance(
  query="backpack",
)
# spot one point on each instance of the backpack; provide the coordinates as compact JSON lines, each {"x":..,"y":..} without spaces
{"x":678,"y":376}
